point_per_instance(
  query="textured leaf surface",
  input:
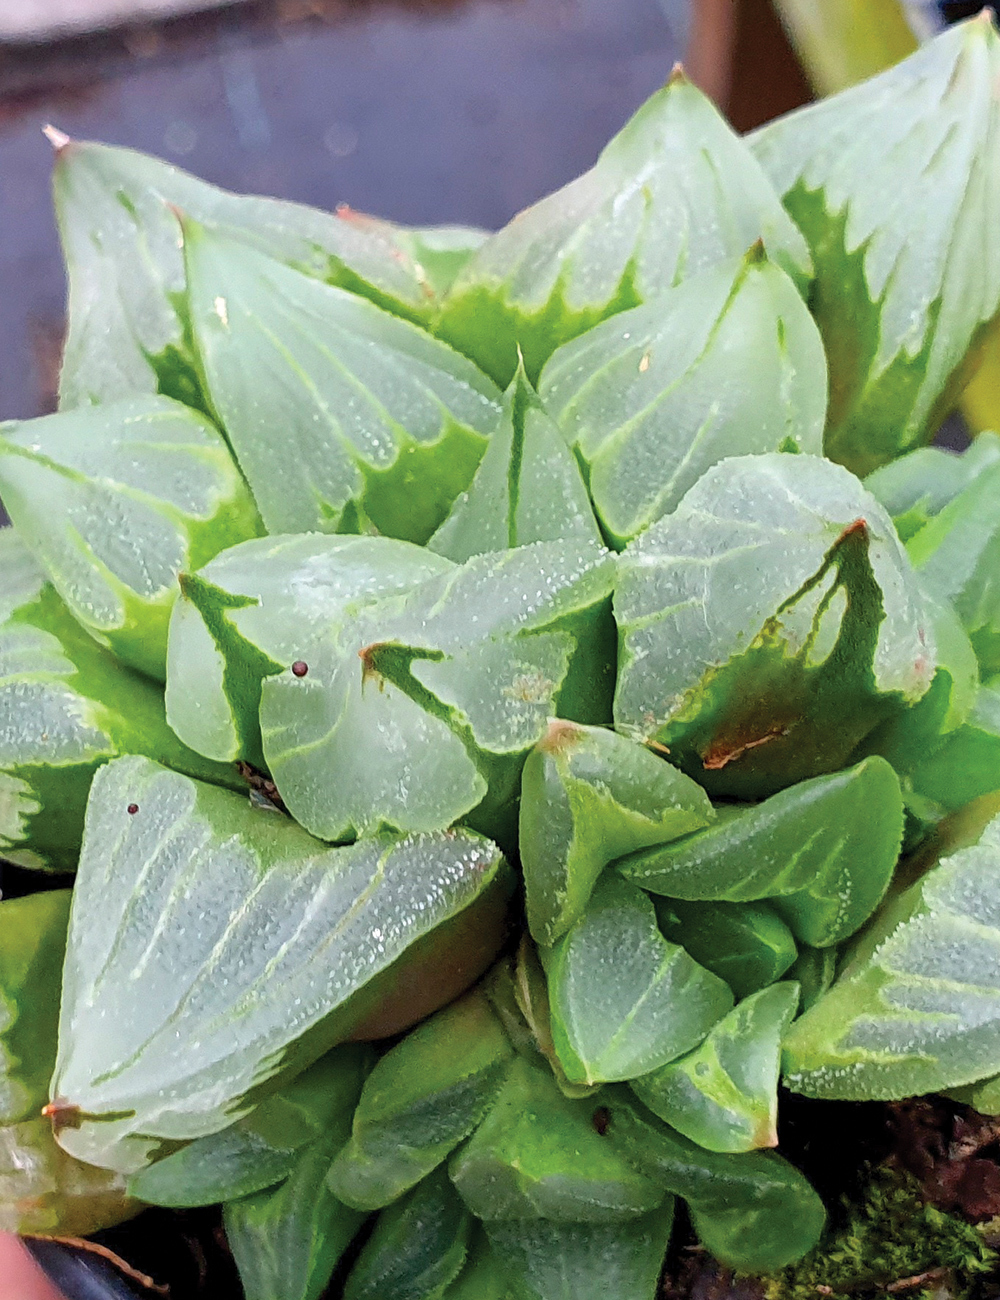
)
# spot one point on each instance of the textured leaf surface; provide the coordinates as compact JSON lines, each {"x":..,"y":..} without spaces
{"x":727,"y":363}
{"x":114,"y":502}
{"x":893,"y":183}
{"x":417,"y":1248}
{"x":263,"y":1147}
{"x":957,"y":554}
{"x":423,"y":1097}
{"x":754,"y":1212}
{"x":418,"y":704}
{"x":538,"y":1155}
{"x":917,"y":1007}
{"x":66,"y":706}
{"x":589,"y":796}
{"x":768,"y":625}
{"x":260,"y":607}
{"x":724,"y":1094}
{"x":200,"y":920}
{"x":746,"y":944}
{"x":674,"y":192}
{"x":967,"y":765}
{"x":528,"y":487}
{"x":32,"y":947}
{"x":382,"y":425}
{"x":919,"y":485}
{"x":822,"y":851}
{"x":287,"y":1240}
{"x":585,"y":1261}
{"x":126,"y":269}
{"x":624,"y":1000}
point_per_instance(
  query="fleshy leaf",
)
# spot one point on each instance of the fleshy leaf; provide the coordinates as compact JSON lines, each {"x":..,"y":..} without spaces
{"x":585,"y":1261}
{"x":768,"y":625}
{"x":676,"y":191}
{"x":199,"y":919}
{"x":724,"y":1094}
{"x":260,"y":607}
{"x":287,"y":1240}
{"x":382,"y":425}
{"x":814,"y":971}
{"x":438,"y":252}
{"x":540,"y":1155}
{"x":967,"y":765}
{"x":32,"y":947}
{"x":916,"y":1009}
{"x":823,"y":852}
{"x":957,"y":554}
{"x":66,"y":707}
{"x":893,"y":183}
{"x":416,"y":706}
{"x":624,"y":1000}
{"x":528,"y":487}
{"x":484,"y":1277}
{"x":127,"y":326}
{"x":919,"y":485}
{"x":423,"y":1098}
{"x":261,"y":1149}
{"x":417,"y":1248}
{"x":754,"y":1212}
{"x":43,"y":1190}
{"x":746,"y":944}
{"x":589,"y":796}
{"x":729,"y":362}
{"x":114,"y":502}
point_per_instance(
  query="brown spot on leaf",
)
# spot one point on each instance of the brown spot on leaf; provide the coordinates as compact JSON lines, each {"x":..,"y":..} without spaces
{"x":725,"y":750}
{"x":560,"y":737}
{"x":63,"y":1114}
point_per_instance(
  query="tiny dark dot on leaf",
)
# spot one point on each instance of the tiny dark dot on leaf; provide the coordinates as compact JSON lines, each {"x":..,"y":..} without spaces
{"x":132,"y":809}
{"x":300,"y":668}
{"x":601,"y":1120}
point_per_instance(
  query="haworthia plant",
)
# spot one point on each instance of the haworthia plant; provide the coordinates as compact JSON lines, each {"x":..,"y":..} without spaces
{"x":388,"y":424}
{"x":224,"y":888}
{"x":588,"y":796}
{"x":893,"y":183}
{"x":724,"y":1094}
{"x":673,"y":193}
{"x":823,"y":852}
{"x":624,"y":1000}
{"x":424,"y":1097}
{"x":915,"y":1008}
{"x":768,"y":625}
{"x":127,"y":312}
{"x":528,"y":487}
{"x":647,"y":398}
{"x":66,"y":707}
{"x":114,"y":502}
{"x":746,"y":944}
{"x":919,"y":485}
{"x":967,"y":765}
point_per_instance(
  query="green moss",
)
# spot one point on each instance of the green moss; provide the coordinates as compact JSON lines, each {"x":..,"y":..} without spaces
{"x":888,"y":1235}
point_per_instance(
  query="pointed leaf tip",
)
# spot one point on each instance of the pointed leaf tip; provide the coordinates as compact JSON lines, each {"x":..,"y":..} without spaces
{"x":678,"y":76}
{"x":756,"y":254}
{"x":56,"y":138}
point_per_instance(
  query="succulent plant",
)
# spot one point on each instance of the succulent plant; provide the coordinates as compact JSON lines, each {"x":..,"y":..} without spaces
{"x":496,"y":732}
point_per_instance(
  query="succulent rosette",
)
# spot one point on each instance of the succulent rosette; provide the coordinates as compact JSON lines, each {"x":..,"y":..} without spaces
{"x":509,"y":701}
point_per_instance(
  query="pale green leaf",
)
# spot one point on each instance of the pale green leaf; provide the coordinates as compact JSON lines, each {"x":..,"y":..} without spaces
{"x":589,"y":796}
{"x":438,"y":252}
{"x":919,"y":485}
{"x":729,"y":362}
{"x":768,"y":625}
{"x":893,"y":183}
{"x":114,"y":502}
{"x":754,"y":1212}
{"x":675,"y":192}
{"x":823,"y":852}
{"x":585,"y":1261}
{"x":624,"y":1000}
{"x":417,"y":1248}
{"x":423,"y":1097}
{"x":724,"y":1094}
{"x":917,"y":1007}
{"x":200,"y":920}
{"x":260,"y":607}
{"x":416,"y":705}
{"x":126,"y":269}
{"x":528,"y":487}
{"x":381,"y":424}
{"x":539,"y":1155}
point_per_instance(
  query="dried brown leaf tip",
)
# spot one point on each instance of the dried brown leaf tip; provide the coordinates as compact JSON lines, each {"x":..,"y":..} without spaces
{"x":560,"y":737}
